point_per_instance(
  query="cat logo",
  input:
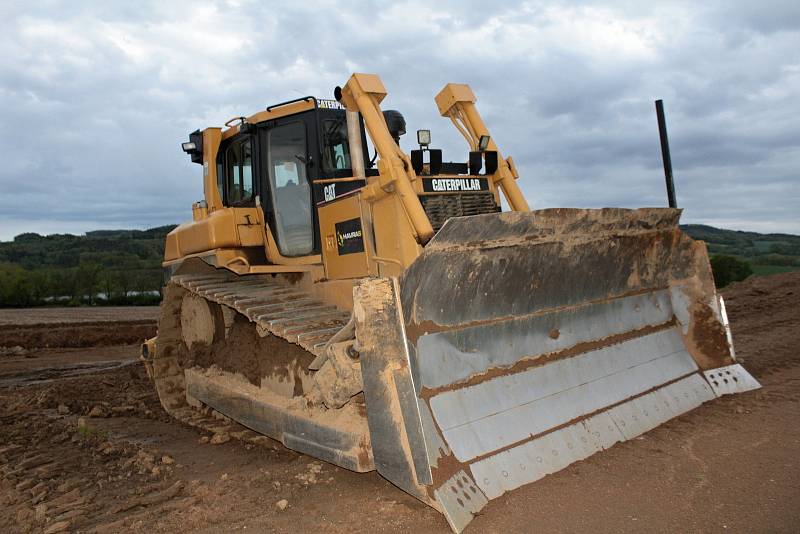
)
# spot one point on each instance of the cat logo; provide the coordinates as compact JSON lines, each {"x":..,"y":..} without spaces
{"x":444,"y":185}
{"x":330,"y":192}
{"x":456,"y":184}
{"x":329,"y":104}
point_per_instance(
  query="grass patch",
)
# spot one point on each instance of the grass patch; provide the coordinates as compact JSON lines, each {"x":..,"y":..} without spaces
{"x":88,"y":433}
{"x":765,"y":270}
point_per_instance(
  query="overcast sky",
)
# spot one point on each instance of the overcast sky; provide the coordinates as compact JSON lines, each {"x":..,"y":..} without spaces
{"x":96,"y":97}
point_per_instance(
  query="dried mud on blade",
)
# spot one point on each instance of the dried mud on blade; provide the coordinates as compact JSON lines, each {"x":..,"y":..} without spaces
{"x":518,"y":343}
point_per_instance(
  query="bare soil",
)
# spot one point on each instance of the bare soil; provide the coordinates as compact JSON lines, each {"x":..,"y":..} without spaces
{"x":732,"y":465}
{"x":84,"y":314}
{"x":76,"y":327}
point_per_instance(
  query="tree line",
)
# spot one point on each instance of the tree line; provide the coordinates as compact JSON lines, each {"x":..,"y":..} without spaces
{"x":88,"y":283}
{"x":117,"y":267}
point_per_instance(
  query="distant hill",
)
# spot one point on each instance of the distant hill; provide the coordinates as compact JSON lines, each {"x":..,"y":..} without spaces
{"x":110,"y":248}
{"x":124,"y":266}
{"x":766,"y":253}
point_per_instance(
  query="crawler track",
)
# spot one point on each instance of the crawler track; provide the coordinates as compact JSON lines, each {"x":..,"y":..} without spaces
{"x":273,"y":308}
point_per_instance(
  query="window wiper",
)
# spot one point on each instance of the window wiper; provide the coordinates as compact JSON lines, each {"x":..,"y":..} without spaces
{"x":309,"y":161}
{"x":335,"y":126}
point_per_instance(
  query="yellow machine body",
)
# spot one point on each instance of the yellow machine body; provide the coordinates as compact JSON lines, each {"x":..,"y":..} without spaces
{"x":391,"y":317}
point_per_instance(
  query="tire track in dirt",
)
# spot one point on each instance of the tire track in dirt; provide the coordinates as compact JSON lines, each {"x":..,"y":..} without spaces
{"x":746,"y":446}
{"x":57,"y":476}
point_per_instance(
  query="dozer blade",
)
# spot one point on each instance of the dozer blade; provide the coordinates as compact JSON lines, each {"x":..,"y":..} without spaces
{"x":518,"y":343}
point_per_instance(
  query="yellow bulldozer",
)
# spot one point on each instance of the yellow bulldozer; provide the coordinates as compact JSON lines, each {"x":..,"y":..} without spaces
{"x":385,"y":313}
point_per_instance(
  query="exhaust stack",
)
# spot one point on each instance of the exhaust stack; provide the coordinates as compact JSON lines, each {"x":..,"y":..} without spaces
{"x":662,"y":133}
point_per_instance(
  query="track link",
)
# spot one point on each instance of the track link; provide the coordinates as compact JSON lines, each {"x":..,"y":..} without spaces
{"x":283,"y":311}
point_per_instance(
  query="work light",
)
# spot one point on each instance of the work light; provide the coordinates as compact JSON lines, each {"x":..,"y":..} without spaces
{"x":424,"y":137}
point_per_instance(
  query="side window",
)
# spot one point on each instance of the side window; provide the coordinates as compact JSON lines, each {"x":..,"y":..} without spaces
{"x":336,"y":150}
{"x":239,"y":172}
{"x":289,"y":189}
{"x":221,"y":176}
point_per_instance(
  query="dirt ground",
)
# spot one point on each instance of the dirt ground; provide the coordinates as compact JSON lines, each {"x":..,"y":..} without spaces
{"x":111,"y":314}
{"x":33,"y":328}
{"x":732,"y":465}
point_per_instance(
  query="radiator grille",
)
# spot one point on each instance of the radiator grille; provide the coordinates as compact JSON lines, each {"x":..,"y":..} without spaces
{"x":439,"y":208}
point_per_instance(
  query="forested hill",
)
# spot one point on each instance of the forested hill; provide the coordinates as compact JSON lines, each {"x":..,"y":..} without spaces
{"x":766,"y":253}
{"x":124,"y":266}
{"x":114,"y":249}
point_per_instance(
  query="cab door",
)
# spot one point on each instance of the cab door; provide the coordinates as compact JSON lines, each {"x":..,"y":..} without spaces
{"x":285,"y":144}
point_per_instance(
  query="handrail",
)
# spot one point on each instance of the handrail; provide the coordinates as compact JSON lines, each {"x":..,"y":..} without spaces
{"x":301,"y":99}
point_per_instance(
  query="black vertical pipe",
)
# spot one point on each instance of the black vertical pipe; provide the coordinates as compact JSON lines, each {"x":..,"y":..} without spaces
{"x":662,"y":132}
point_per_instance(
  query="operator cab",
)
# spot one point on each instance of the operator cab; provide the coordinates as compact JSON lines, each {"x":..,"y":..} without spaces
{"x":291,"y":164}
{"x":287,"y":165}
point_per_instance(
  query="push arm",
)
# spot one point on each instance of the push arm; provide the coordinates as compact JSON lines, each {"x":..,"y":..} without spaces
{"x":457,"y":102}
{"x":364,"y":93}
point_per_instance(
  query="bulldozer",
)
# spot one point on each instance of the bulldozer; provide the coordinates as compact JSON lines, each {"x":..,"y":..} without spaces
{"x":385,"y":313}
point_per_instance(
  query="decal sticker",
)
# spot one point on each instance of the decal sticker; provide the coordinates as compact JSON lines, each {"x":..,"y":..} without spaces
{"x":331,"y":191}
{"x":443,"y":185}
{"x":349,"y":237}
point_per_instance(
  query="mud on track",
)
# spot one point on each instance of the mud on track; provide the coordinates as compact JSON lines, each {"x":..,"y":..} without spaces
{"x":731,"y":465}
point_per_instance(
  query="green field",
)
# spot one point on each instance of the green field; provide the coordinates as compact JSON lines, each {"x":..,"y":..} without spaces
{"x":764,"y":270}
{"x":765,"y":253}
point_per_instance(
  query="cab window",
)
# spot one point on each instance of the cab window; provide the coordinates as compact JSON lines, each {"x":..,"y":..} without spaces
{"x":239,"y":172}
{"x":335,"y":150}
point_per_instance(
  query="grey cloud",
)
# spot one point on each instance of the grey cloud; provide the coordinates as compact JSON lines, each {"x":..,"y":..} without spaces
{"x":97,"y":97}
{"x":762,"y":17}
